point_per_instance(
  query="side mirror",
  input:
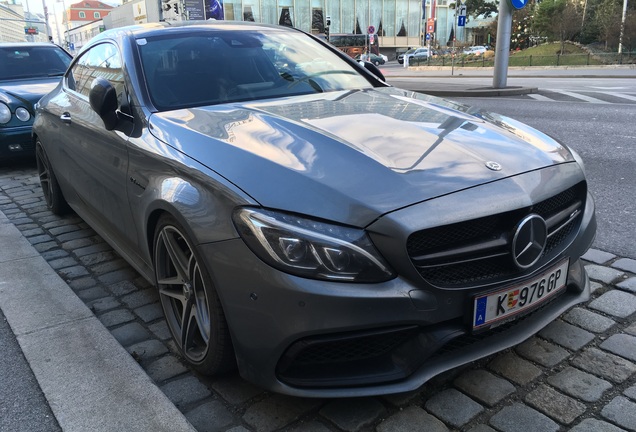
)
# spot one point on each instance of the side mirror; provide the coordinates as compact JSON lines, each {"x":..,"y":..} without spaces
{"x":103,"y":99}
{"x":374,"y":70}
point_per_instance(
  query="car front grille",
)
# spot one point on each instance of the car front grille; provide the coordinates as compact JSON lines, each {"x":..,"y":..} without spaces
{"x":478,"y":251}
{"x":350,"y":359}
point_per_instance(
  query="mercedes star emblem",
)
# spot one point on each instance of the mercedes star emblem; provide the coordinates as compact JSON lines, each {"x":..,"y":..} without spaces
{"x":529,"y":241}
{"x":495,"y":166}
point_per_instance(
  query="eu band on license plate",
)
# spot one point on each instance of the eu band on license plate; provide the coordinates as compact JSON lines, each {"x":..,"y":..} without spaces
{"x":493,"y":307}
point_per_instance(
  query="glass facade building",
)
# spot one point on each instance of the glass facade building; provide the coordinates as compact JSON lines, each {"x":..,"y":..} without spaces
{"x":398,"y":24}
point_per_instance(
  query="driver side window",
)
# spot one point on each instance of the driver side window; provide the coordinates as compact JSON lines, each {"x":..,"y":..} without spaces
{"x":102,"y":60}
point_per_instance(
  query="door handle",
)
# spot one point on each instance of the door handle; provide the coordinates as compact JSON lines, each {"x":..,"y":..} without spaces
{"x":66,"y":118}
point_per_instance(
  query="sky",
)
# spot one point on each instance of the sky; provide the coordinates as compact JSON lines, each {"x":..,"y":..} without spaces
{"x":37,"y":6}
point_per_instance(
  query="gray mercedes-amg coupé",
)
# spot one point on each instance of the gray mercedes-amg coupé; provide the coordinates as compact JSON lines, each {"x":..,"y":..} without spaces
{"x":324,"y":232}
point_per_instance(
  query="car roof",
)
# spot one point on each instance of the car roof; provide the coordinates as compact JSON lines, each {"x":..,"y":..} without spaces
{"x":156,"y":28}
{"x":28,"y":44}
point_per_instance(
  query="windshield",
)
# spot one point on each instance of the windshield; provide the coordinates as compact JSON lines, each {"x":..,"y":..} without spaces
{"x":22,"y":62}
{"x":220,"y":66}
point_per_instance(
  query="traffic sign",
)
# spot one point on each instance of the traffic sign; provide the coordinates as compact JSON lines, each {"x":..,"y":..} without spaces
{"x":461,"y":21}
{"x":518,"y":4}
{"x":371,"y":30}
{"x":371,"y":38}
{"x":461,"y":10}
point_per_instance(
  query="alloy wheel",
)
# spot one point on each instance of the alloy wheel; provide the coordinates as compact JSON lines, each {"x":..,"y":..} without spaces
{"x":183,"y":293}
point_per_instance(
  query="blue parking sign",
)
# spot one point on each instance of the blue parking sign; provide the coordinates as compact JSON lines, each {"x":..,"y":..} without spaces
{"x":518,"y":4}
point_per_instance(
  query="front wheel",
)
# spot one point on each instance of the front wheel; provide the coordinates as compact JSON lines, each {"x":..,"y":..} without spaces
{"x":189,"y":300}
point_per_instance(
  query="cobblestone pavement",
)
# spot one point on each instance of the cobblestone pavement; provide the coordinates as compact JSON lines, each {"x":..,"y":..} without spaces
{"x":578,"y":374}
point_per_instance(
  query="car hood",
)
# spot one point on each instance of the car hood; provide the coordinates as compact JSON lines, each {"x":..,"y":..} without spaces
{"x":27,"y":91}
{"x":353,"y":156}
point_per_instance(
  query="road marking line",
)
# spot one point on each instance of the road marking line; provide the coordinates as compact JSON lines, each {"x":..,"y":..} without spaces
{"x":541,"y":98}
{"x":608,"y":88}
{"x":582,"y":97}
{"x":622,"y":96}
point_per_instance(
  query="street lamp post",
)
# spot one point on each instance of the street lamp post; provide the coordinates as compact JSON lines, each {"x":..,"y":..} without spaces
{"x":620,"y":39}
{"x":65,"y":21}
{"x":46,"y":20}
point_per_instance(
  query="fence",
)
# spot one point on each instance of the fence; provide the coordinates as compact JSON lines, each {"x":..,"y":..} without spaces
{"x":462,"y":60}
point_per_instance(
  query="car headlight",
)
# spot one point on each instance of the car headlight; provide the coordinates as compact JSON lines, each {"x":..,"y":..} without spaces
{"x":577,"y":158}
{"x":311,"y":248}
{"x":5,"y":113}
{"x":22,"y":114}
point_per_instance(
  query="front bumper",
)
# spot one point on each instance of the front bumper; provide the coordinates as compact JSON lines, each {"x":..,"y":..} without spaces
{"x":19,"y":137}
{"x":269,"y":313}
{"x":314,"y":338}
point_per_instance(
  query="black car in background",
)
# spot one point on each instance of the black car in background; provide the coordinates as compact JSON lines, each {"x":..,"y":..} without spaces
{"x":28,"y":71}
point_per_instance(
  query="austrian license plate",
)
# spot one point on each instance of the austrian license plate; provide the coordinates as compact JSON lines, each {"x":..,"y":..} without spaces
{"x":501,"y":305}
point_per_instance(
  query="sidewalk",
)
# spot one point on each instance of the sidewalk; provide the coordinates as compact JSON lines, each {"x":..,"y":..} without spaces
{"x":403,"y":78}
{"x":90,"y":382}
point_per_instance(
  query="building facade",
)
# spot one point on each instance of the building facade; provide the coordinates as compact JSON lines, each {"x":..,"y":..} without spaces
{"x":85,"y":12}
{"x":18,"y":25}
{"x":398,"y":24}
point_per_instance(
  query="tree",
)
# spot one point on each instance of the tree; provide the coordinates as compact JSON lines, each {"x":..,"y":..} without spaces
{"x":521,"y":31}
{"x":608,"y":20}
{"x":559,"y":20}
{"x":485,"y":8}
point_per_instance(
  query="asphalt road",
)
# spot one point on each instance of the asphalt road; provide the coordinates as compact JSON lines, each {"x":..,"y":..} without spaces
{"x":23,"y":407}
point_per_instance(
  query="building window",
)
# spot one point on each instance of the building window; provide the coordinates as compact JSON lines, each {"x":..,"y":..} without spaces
{"x":317,"y":21}
{"x":82,"y":14}
{"x":96,"y":15}
{"x":285,"y":18}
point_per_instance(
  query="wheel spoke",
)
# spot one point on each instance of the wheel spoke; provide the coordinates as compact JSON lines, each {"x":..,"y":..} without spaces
{"x":170,"y":280}
{"x":201,"y":305}
{"x":175,"y":252}
{"x":43,"y":172}
{"x":188,"y":326}
{"x":172,"y":293}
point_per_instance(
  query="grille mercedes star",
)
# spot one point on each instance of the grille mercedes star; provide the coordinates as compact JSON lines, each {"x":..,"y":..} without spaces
{"x":478,"y":251}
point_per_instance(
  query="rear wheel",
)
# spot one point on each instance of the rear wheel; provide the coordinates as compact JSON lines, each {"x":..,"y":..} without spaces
{"x":53,"y":196}
{"x":190,"y":303}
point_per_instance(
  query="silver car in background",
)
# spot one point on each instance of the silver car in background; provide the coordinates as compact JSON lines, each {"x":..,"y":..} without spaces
{"x":327,"y":234}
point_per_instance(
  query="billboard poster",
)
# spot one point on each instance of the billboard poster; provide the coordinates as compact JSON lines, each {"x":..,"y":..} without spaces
{"x":139,"y":12}
{"x":214,"y":9}
{"x":194,"y":9}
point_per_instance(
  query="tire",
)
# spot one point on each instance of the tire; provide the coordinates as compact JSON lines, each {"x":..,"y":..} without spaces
{"x":189,"y":300}
{"x":53,"y":196}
